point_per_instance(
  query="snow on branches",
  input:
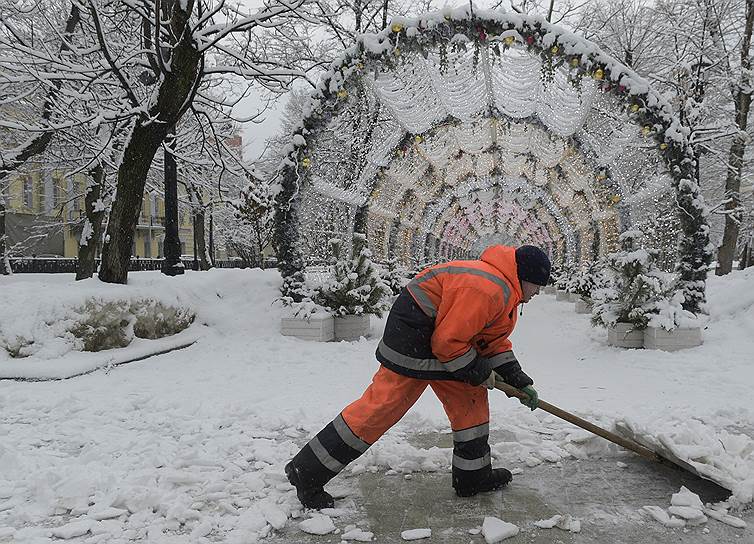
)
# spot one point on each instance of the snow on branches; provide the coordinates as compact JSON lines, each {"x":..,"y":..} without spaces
{"x":638,"y":292}
{"x":355,"y":287}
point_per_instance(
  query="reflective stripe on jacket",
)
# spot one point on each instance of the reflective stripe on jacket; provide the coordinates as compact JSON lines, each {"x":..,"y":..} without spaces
{"x":452,"y":313}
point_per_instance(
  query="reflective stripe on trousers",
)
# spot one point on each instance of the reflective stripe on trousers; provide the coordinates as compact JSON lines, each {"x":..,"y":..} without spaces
{"x":382,"y":405}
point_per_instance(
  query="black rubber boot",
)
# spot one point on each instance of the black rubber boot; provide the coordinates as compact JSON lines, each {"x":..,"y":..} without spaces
{"x":497,"y":479}
{"x":311,"y":497}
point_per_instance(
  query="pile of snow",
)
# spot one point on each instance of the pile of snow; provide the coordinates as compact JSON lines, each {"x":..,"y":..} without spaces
{"x":731,"y":297}
{"x":47,"y":320}
{"x":318,"y":524}
{"x":565,"y":522}
{"x":352,"y":532}
{"x":687,"y":509}
{"x":496,"y":530}
{"x":416,"y":534}
{"x":717,"y":455}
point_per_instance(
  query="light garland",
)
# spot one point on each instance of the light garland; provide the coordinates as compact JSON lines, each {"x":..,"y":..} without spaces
{"x":494,"y":45}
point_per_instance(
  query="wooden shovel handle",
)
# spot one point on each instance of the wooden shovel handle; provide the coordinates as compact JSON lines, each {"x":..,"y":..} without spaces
{"x":584,"y":424}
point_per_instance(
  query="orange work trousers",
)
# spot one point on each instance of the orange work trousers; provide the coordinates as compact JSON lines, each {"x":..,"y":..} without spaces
{"x":390,"y":395}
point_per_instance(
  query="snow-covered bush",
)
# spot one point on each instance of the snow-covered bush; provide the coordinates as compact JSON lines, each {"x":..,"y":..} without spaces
{"x":564,"y":276}
{"x":635,"y":285}
{"x":395,"y":275}
{"x":307,"y":305}
{"x":355,"y":286}
{"x":667,"y":311}
{"x":99,"y":325}
{"x":554,"y":275}
{"x":585,"y":280}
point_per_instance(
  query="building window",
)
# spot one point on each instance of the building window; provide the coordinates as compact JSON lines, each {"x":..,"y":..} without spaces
{"x":28,"y":192}
{"x":148,"y":246}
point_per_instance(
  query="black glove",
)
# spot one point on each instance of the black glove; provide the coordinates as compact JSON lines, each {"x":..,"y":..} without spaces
{"x":512,"y":374}
{"x":476,"y":372}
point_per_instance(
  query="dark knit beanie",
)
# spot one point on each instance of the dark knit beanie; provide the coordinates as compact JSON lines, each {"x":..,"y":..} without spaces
{"x":533,"y":265}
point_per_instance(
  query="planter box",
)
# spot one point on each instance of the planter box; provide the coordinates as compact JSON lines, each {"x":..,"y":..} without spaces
{"x":351,"y":327}
{"x":561,"y":295}
{"x":574,"y":297}
{"x":659,"y":338}
{"x":623,"y":335}
{"x":317,"y":328}
{"x":583,"y":306}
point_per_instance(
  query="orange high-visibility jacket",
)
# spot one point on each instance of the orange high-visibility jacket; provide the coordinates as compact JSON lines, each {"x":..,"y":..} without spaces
{"x":473,"y":304}
{"x":451,"y":314}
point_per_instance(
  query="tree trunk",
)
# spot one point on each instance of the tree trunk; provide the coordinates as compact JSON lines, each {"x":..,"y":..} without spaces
{"x":173,"y":98}
{"x":5,"y":268}
{"x":733,"y":208}
{"x":211,"y":255}
{"x":87,"y":263}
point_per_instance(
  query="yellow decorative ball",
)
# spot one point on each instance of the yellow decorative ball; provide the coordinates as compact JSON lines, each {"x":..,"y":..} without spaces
{"x":397,"y":52}
{"x":663,"y":146}
{"x":599,"y":73}
{"x":509,"y":40}
{"x":397,"y":27}
{"x":574,"y":62}
{"x":634,"y":108}
{"x":615,"y":199}
{"x":306,"y":162}
{"x":342,"y":93}
{"x":646,"y":129}
{"x":418,"y":139}
{"x":554,"y":49}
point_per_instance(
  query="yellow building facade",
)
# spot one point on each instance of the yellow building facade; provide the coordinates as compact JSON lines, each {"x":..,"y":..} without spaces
{"x":45,"y":216}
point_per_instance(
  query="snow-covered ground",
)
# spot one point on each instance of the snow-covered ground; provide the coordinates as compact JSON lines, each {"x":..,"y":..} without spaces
{"x":193,"y":442}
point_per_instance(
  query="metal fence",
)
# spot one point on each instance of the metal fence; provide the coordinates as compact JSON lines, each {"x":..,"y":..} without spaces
{"x":52,"y":265}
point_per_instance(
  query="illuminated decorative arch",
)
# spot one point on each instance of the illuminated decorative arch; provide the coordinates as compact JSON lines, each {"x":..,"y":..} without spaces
{"x":453,"y":130}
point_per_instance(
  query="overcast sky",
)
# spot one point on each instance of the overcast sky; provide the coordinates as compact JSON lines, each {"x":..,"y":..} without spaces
{"x":255,"y":134}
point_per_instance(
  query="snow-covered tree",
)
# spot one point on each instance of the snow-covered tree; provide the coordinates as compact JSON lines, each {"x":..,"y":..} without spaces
{"x":395,"y":275}
{"x":635,"y":285}
{"x":554,"y":274}
{"x":251,"y":231}
{"x":586,"y":279}
{"x":563,"y":277}
{"x":355,"y":287}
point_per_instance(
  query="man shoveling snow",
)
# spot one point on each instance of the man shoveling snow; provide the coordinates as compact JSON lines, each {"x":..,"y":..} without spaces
{"x":448,"y":329}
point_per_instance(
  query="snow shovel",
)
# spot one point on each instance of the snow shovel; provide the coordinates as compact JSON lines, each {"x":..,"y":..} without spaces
{"x":666,"y":458}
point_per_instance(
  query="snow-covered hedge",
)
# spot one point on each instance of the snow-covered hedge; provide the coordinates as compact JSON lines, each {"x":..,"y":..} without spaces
{"x":96,"y":325}
{"x":46,"y":316}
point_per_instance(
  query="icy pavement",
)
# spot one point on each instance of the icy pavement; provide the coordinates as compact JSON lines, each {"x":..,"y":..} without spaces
{"x":605,"y":497}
